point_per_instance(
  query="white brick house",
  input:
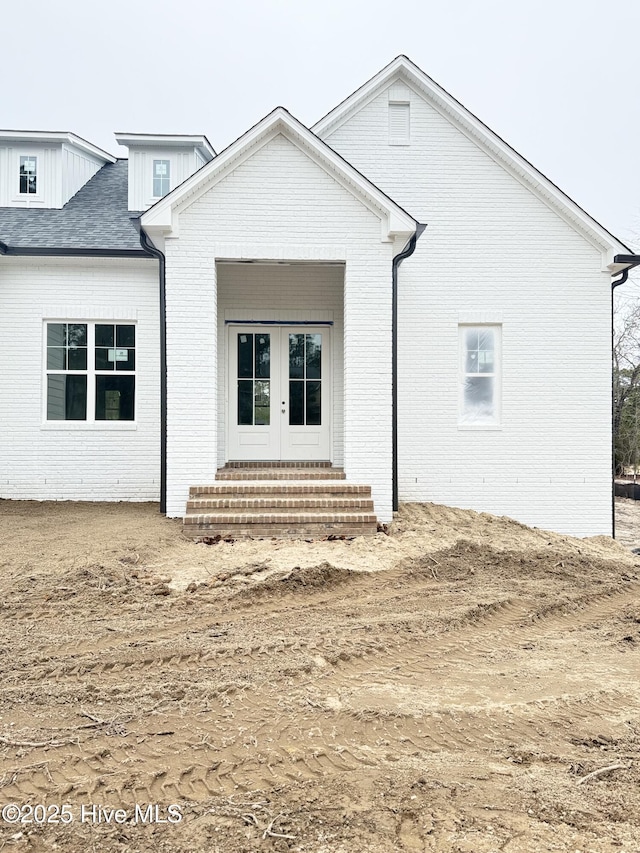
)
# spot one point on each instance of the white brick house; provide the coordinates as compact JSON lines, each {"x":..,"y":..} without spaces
{"x":283,"y":300}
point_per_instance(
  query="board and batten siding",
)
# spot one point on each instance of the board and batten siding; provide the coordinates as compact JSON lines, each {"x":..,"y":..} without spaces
{"x":62,"y":170}
{"x":493,"y":253}
{"x":71,"y":460}
{"x":277,"y":205}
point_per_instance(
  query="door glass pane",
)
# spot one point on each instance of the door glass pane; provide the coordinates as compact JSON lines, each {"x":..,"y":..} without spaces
{"x":245,"y":356}
{"x":313,"y":403}
{"x":262,"y":408}
{"x":263,"y":356}
{"x":296,"y":356}
{"x":314,"y":352}
{"x":245,"y":402}
{"x":296,"y":401}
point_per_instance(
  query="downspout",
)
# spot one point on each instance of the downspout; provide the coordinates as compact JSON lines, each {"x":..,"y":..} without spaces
{"x":633,"y":261}
{"x":405,"y":253}
{"x":148,"y":246}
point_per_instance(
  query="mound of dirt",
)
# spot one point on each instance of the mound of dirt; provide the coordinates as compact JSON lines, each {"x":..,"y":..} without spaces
{"x":463,"y":684}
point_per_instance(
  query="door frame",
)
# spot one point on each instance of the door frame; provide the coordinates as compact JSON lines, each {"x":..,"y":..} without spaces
{"x":230,"y":398}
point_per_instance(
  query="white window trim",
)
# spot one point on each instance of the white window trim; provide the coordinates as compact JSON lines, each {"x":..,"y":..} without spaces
{"x":155,"y":160}
{"x":496,"y":423}
{"x":90,"y":424}
{"x":38,"y":194}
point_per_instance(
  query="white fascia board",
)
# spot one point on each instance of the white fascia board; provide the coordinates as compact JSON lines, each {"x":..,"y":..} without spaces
{"x":167,"y":140}
{"x":55,"y":138}
{"x":395,"y":220}
{"x":481,"y":135}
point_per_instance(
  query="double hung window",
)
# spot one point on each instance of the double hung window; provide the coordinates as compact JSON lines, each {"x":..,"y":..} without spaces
{"x":90,"y":371}
{"x":28,"y":175}
{"x":161,"y":178}
{"x":479,"y":376}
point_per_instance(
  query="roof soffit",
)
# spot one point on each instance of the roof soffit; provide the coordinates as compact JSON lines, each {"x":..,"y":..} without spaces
{"x":164,"y":214}
{"x":404,"y":70}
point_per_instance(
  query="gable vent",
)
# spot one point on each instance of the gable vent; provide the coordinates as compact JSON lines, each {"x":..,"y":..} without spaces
{"x":399,"y":123}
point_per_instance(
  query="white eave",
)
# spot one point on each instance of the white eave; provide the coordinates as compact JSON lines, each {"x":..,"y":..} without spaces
{"x":396,"y":223}
{"x":167,"y":140}
{"x":44,"y":137}
{"x":402,"y":68}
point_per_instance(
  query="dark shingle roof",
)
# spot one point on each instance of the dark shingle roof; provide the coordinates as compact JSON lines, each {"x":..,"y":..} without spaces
{"x":96,"y":218}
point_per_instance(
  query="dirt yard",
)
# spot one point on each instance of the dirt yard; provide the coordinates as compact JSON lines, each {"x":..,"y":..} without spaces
{"x":463,"y":684}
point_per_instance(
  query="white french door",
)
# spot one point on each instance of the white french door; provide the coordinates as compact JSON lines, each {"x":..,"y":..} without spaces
{"x":279,"y":400}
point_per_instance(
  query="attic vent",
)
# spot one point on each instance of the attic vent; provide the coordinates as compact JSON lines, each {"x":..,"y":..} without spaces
{"x":399,"y":123}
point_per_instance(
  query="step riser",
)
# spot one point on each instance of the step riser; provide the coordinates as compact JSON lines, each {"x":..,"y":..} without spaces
{"x":273,"y":464}
{"x":292,"y":518}
{"x":280,"y":474}
{"x":261,"y":531}
{"x":258,"y":489}
{"x":267,"y":504}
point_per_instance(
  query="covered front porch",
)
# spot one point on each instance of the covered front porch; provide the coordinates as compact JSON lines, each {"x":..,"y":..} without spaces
{"x":278,"y":264}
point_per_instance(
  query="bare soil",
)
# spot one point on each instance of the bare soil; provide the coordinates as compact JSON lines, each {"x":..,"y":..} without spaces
{"x":448,"y":687}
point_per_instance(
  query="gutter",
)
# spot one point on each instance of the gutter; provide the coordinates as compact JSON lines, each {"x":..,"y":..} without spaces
{"x":632,"y":261}
{"x":405,"y":253}
{"x":30,"y":251}
{"x":150,"y":249}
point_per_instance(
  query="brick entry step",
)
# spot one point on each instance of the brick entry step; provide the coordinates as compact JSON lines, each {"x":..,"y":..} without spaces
{"x":265,"y":499}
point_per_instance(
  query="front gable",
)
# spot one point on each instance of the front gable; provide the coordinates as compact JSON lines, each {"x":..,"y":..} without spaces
{"x":403,"y":129}
{"x":281,"y":154}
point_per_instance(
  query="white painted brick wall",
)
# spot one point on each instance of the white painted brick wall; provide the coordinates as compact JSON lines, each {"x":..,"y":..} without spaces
{"x":304,"y":292}
{"x":492,"y":249}
{"x":278,"y":205}
{"x":64,"y":460}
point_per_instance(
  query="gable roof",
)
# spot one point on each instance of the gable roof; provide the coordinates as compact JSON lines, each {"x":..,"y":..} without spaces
{"x":403,"y":69}
{"x":94,"y":220}
{"x":395,"y":221}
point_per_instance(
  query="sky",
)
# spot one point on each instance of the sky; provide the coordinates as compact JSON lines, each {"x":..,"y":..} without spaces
{"x":559,"y":81}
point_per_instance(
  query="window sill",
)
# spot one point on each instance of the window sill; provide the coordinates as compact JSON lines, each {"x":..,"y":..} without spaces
{"x":479,"y":427}
{"x":84,"y":426}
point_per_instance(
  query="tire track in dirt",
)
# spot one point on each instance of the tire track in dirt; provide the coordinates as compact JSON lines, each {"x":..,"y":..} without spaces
{"x":350,"y":742}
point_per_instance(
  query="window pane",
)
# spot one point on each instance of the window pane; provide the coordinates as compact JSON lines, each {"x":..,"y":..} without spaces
{"x":125,"y":364}
{"x":296,"y":400}
{"x":104,"y":335}
{"x":125,"y":336}
{"x":245,"y":357}
{"x":263,"y":356}
{"x":314,"y":352}
{"x":245,"y":402}
{"x":77,"y":358}
{"x":66,"y":398}
{"x":56,"y":358}
{"x":478,"y":398}
{"x":262,"y":394}
{"x":77,"y":334}
{"x":115,"y":398}
{"x":56,"y":334}
{"x":313,"y":403}
{"x":296,"y":357}
{"x":102,"y":359}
